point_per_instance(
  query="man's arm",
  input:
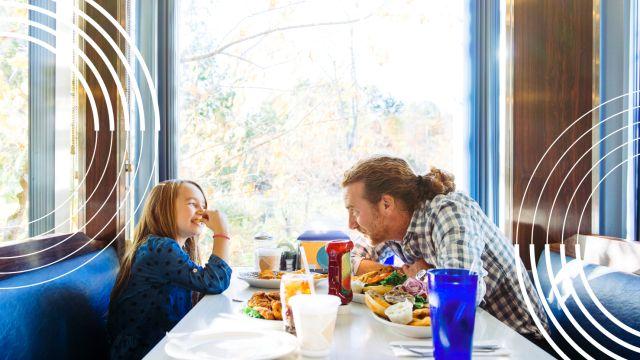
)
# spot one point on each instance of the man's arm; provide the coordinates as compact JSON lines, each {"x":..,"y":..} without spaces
{"x":367,"y":266}
{"x":458,"y":243}
{"x":363,"y":257}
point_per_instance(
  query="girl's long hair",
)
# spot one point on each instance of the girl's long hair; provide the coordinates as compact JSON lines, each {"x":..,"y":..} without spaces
{"x":158,"y":218}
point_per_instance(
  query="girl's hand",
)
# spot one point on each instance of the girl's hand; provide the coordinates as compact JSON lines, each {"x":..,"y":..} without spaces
{"x":216,"y":221}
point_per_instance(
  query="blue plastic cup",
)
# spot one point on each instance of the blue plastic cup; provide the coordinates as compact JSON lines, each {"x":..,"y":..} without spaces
{"x":452,"y":300}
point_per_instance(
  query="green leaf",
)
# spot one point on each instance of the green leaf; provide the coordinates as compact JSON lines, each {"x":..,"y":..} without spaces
{"x":394,"y":279}
{"x":252,"y":312}
{"x":419,"y":302}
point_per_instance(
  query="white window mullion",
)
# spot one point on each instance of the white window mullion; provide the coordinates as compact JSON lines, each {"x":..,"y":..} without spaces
{"x":63,"y":116}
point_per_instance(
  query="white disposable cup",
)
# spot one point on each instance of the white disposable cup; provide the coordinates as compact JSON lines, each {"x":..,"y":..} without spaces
{"x":315,"y":320}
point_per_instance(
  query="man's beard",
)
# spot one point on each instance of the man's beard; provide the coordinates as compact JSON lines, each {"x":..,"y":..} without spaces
{"x":376,"y":233}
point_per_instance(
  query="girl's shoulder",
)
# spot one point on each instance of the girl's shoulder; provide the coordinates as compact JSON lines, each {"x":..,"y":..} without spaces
{"x":157,"y":244}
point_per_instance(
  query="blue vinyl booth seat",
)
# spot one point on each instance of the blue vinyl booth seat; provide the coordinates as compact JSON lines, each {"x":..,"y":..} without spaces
{"x":61,"y":319}
{"x":619,"y":293}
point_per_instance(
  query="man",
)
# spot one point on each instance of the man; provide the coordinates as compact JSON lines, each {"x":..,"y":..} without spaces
{"x":427,"y":224}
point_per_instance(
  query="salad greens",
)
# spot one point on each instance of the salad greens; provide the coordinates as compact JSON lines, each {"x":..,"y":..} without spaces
{"x":252,"y":312}
{"x":394,"y":279}
{"x":420,"y":302}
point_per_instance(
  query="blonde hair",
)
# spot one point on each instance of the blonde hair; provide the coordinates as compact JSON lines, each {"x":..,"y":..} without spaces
{"x":157,"y":218}
{"x":393,"y":176}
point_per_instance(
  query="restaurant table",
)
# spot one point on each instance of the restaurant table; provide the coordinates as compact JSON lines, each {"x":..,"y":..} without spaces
{"x":357,"y":335}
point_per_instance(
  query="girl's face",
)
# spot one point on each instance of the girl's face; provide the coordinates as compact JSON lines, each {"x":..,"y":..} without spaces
{"x":190,"y":205}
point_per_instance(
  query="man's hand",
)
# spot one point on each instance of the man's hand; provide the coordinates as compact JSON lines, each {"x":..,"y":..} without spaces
{"x":412,"y":269}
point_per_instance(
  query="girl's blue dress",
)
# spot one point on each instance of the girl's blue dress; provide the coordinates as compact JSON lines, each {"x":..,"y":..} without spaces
{"x":158,"y":295}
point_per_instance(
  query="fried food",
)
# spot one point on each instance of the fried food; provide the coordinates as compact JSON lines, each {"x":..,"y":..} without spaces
{"x":268,"y":275}
{"x":263,"y":299}
{"x":421,"y":317}
{"x":373,"y":277}
{"x":277,"y":275}
{"x":376,"y":303}
{"x":380,"y":289}
{"x":265,"y":313}
{"x":320,"y":276}
{"x":276,"y":307}
{"x":316,"y":276}
{"x":267,"y":304}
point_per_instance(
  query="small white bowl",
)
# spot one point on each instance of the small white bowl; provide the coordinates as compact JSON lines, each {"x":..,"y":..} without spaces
{"x":418,"y":332}
{"x":359,"y":298}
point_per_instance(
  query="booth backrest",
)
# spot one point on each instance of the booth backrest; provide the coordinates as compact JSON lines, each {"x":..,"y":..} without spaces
{"x":61,"y":319}
{"x":617,"y":291}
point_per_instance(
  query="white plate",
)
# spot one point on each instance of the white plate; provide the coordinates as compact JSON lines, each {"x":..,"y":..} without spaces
{"x":254,"y":345}
{"x":418,"y":332}
{"x":251,"y":277}
{"x":359,"y":298}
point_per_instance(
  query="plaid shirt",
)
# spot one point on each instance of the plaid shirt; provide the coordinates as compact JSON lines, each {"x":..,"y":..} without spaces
{"x":450,"y":231}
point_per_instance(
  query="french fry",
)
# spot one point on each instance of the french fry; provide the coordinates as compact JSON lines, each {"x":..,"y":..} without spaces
{"x":376,"y":303}
{"x":380,"y":289}
{"x":421,"y":317}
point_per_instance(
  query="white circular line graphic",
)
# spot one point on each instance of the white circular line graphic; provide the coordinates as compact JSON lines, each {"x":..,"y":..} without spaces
{"x":140,"y":112}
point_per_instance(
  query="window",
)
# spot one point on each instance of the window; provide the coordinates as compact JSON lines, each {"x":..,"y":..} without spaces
{"x":278,"y":99}
{"x":14,"y":122}
{"x":39,"y":137}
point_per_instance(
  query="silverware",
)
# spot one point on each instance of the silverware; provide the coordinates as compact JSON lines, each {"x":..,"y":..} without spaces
{"x":238,"y":300}
{"x":429,"y":353}
{"x":475,"y":347}
{"x":427,"y":350}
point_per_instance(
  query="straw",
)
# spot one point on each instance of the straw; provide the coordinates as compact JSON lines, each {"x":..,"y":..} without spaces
{"x":476,"y":267}
{"x":305,"y":264}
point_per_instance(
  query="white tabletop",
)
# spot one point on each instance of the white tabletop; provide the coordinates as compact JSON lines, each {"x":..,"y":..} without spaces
{"x":357,"y":334}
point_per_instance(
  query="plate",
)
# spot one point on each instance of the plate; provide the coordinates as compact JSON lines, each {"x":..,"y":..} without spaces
{"x":359,"y":298}
{"x":253,"y":344}
{"x":418,"y":332}
{"x":251,"y":277}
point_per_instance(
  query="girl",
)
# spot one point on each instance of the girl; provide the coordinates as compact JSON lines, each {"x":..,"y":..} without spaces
{"x":157,"y":275}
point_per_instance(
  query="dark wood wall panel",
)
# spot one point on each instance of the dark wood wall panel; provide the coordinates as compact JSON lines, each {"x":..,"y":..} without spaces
{"x":552,"y":86}
{"x":104,"y":203}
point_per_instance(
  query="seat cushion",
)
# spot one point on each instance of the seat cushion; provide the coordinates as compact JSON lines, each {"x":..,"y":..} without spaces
{"x":617,"y":291}
{"x":61,"y":319}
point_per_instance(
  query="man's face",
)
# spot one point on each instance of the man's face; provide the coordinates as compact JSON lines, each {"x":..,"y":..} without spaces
{"x":364,"y":216}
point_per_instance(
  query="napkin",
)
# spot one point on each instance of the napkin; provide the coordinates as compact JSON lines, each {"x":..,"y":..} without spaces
{"x":400,"y":352}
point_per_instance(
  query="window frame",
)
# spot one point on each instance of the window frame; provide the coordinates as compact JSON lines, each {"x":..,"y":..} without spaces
{"x":105,"y":229}
{"x":485,"y":112}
